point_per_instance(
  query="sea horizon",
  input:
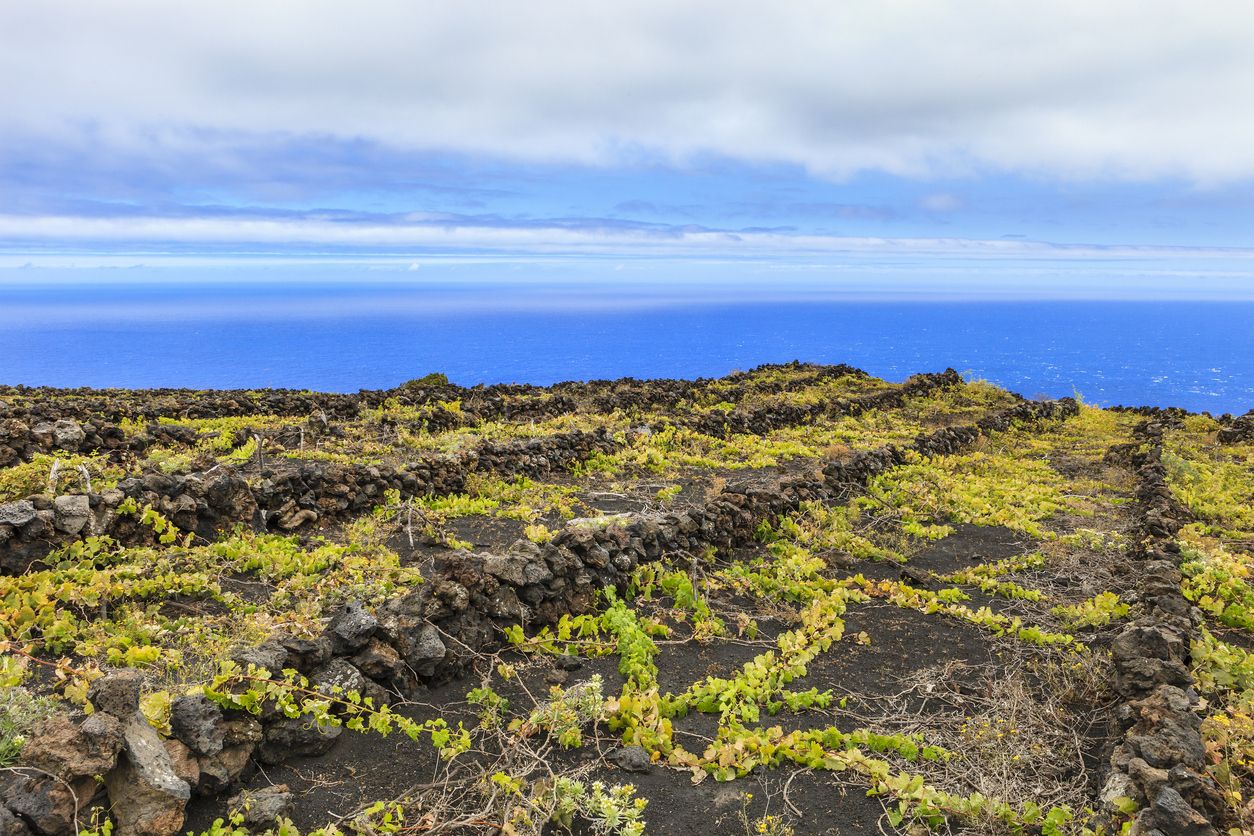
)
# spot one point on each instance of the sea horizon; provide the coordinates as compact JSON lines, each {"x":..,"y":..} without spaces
{"x":345,"y":336}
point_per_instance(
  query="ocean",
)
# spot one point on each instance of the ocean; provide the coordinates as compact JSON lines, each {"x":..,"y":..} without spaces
{"x":349,"y":336}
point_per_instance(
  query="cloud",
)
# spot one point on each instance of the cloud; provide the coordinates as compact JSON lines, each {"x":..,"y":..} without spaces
{"x":940,"y":202}
{"x":596,"y":236}
{"x":1132,"y":89}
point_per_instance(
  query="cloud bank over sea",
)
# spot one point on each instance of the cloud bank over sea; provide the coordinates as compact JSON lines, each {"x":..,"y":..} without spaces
{"x":1006,"y":131}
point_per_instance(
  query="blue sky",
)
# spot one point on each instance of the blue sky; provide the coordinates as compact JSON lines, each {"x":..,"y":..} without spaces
{"x":1064,"y":141}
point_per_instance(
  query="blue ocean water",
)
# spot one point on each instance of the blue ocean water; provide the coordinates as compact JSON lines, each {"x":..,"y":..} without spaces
{"x":343,"y":337}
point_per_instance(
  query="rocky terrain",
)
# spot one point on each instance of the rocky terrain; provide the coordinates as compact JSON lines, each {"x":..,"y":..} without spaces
{"x":797,"y":599}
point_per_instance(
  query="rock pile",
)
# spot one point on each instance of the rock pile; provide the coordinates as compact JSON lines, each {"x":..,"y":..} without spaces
{"x":114,"y":751}
{"x":1237,"y":430}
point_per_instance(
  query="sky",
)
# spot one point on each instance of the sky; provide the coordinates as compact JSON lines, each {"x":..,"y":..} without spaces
{"x":1049,"y":139}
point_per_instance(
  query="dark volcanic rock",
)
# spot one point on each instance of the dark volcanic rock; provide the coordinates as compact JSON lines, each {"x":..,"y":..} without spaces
{"x":351,"y":628}
{"x":307,"y":654}
{"x":11,"y":825}
{"x":199,"y":724}
{"x":263,"y":807}
{"x":116,"y":694}
{"x":270,"y":655}
{"x":631,"y":759}
{"x":46,"y":804}
{"x":72,"y":750}
{"x":146,"y":794}
{"x":296,"y":737}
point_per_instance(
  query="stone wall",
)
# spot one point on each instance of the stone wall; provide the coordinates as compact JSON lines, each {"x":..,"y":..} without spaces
{"x":84,"y":404}
{"x":1159,"y":759}
{"x":767,"y":418}
{"x":49,"y":420}
{"x":291,"y":494}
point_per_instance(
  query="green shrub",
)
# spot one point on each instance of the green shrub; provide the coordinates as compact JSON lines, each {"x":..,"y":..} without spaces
{"x":20,"y":712}
{"x":35,"y":476}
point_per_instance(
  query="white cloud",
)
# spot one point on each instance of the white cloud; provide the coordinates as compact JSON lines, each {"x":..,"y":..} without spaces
{"x":1072,"y":88}
{"x":308,"y":235}
{"x":940,"y":202}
